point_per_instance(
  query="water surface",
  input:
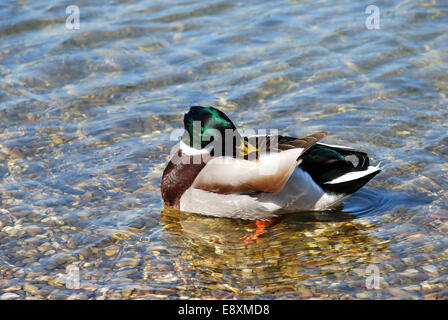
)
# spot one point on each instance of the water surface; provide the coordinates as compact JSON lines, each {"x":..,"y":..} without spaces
{"x":85,"y":122}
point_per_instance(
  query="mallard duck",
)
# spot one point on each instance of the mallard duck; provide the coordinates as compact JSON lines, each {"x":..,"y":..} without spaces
{"x":219,"y":172}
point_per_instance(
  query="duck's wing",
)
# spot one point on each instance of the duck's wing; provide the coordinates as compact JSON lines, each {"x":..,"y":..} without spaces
{"x":268,"y":171}
{"x":333,"y":167}
{"x":257,"y":145}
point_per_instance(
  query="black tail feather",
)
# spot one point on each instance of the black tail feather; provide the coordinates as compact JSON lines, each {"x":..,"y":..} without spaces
{"x":325,"y":163}
{"x":349,"y":187}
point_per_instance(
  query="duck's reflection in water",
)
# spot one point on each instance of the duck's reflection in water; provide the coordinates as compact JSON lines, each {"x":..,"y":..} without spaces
{"x":301,"y":255}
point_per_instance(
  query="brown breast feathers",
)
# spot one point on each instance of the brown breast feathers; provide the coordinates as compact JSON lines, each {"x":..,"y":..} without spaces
{"x":178,"y":177}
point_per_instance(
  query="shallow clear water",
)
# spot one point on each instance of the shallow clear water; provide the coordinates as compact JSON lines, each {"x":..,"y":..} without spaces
{"x":85,"y":122}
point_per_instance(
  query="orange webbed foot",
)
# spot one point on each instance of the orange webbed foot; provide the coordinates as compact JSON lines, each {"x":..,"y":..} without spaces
{"x":261,"y":229}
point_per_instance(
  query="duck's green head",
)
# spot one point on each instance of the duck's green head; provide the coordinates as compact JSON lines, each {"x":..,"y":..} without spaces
{"x":201,"y":122}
